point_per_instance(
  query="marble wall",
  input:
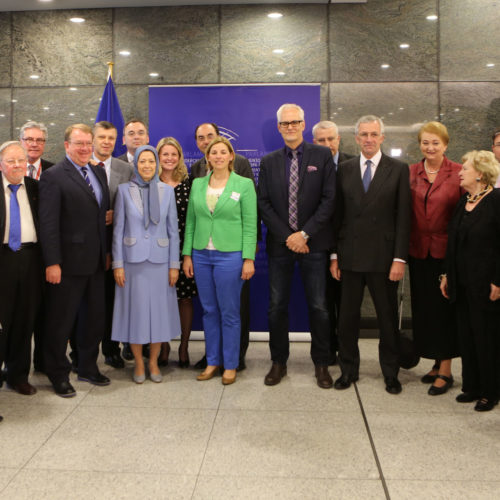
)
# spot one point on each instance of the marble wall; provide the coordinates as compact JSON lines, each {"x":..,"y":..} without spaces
{"x":384,"y":57}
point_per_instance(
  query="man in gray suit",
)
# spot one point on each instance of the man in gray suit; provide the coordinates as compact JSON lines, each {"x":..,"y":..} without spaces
{"x":117,"y":172}
{"x":204,"y":134}
{"x":372,"y":238}
{"x":135,"y":134}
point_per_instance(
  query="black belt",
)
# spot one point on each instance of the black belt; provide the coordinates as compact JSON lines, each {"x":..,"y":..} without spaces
{"x":22,"y":247}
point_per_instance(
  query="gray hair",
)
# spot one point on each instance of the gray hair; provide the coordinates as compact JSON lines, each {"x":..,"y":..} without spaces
{"x":31,"y":124}
{"x":369,"y":119}
{"x":325,"y":125}
{"x":8,"y":144}
{"x":289,"y":106}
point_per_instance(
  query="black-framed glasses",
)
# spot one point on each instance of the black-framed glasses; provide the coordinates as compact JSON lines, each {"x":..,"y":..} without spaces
{"x":38,"y":141}
{"x":293,"y":123}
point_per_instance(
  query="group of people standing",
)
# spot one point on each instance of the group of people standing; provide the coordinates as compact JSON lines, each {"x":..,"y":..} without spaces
{"x":126,"y":243}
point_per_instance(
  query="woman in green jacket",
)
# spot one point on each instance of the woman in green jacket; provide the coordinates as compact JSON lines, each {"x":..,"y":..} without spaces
{"x":219,"y":251}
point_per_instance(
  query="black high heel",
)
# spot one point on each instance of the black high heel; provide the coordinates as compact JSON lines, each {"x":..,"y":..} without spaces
{"x":183,"y":363}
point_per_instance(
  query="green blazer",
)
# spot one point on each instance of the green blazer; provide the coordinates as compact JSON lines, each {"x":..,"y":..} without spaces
{"x":232,"y":225}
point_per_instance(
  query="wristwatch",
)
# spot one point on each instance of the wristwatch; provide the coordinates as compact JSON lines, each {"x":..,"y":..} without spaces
{"x":304,"y":235}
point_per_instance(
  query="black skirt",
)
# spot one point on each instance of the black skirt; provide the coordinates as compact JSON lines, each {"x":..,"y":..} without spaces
{"x":433,"y":317}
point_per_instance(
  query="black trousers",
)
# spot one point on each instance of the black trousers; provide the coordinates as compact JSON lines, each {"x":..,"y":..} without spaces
{"x":333,"y":292}
{"x":20,"y":295}
{"x":384,"y":295}
{"x":75,"y":296}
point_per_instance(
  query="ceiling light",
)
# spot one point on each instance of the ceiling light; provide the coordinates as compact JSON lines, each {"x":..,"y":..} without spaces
{"x":385,"y":66}
{"x":73,"y":88}
{"x":456,"y":110}
{"x":154,"y":75}
{"x":46,"y":108}
{"x":278,"y":51}
{"x":396,"y":152}
{"x":52,"y":124}
{"x":404,"y":45}
{"x":432,"y":17}
{"x":14,"y":100}
{"x":34,"y":77}
{"x":275,"y":15}
{"x":124,"y":53}
{"x":490,"y":65}
{"x":401,"y":109}
{"x":71,"y":114}
{"x":2,"y":116}
{"x":280,"y":73}
{"x":77,"y":19}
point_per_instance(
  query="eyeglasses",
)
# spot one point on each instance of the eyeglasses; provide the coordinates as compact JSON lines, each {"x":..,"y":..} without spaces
{"x":496,"y":145}
{"x":293,"y":123}
{"x":11,"y":162}
{"x":32,"y":140}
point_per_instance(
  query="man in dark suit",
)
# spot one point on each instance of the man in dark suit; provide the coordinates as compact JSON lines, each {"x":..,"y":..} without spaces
{"x":204,"y":134}
{"x":74,"y":199}
{"x":33,"y":137}
{"x":296,"y":196}
{"x":117,"y":172}
{"x":20,"y":265}
{"x":373,"y":232}
{"x":135,"y":134}
{"x":326,"y":133}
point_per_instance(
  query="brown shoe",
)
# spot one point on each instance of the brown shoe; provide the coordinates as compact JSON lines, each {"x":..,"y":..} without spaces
{"x":228,"y":380}
{"x":276,"y":373}
{"x":24,"y":388}
{"x":323,"y":377}
{"x":209,"y":373}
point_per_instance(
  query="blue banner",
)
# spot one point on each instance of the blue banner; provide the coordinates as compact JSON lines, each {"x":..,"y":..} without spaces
{"x":245,"y":114}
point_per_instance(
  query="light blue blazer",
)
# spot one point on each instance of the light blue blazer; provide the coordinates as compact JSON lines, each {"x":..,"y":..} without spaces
{"x":159,"y":243}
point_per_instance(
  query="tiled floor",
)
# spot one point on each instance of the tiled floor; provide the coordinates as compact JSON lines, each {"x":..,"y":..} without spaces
{"x":201,"y":440}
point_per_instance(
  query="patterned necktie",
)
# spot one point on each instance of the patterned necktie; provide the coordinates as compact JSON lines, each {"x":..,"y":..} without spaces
{"x":293,"y":190}
{"x":32,"y":171}
{"x":15,"y":219}
{"x":100,"y":164}
{"x":87,"y":179}
{"x":367,"y":176}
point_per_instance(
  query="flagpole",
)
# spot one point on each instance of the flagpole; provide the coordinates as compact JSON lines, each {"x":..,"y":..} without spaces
{"x":110,"y":69}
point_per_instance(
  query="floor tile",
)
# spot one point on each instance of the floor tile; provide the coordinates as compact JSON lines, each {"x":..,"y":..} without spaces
{"x":123,"y":439}
{"x":275,"y":488}
{"x":6,"y":474}
{"x":281,"y":444}
{"x":62,"y":485}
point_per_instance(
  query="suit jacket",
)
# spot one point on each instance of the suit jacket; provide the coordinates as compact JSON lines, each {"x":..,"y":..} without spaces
{"x":316,"y":198}
{"x":432,"y":208}
{"x":45,"y":164}
{"x":124,"y":158}
{"x":343,"y":157}
{"x":121,"y":172}
{"x":132,"y":242}
{"x":232,"y":225}
{"x":477,"y":239}
{"x":372,"y":228}
{"x":241,"y":167}
{"x":32,"y":191}
{"x":73,"y":230}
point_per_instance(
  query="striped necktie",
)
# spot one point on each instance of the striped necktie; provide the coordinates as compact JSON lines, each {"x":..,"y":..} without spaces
{"x":293,"y":190}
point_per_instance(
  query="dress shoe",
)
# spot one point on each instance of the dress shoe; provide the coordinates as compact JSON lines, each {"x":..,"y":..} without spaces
{"x":485,"y":404}
{"x":276,"y":373}
{"x":162,"y":362}
{"x":127,"y":352}
{"x":392,"y":385}
{"x":436,"y":391}
{"x":115,"y":360}
{"x":24,"y":388}
{"x":466,"y":397}
{"x":428,"y":378}
{"x":156,"y":377}
{"x":207,"y":375}
{"x":98,"y":379}
{"x":323,"y":378}
{"x":242,"y":365}
{"x":139,"y":379}
{"x":1,"y":418}
{"x":344,"y":382}
{"x":201,"y":364}
{"x":228,"y":380}
{"x":183,"y":363}
{"x":64,"y":389}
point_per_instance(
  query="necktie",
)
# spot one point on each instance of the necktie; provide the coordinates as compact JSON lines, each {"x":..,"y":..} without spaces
{"x":15,"y":219}
{"x":367,"y":176}
{"x":100,"y":164}
{"x":32,"y":171}
{"x":293,"y":190}
{"x":87,"y":179}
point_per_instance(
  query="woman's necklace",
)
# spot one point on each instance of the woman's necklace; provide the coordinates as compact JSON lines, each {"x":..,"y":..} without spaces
{"x":473,"y":198}
{"x":430,"y":172}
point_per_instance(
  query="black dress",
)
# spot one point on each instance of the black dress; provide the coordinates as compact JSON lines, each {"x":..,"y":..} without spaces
{"x":186,"y":287}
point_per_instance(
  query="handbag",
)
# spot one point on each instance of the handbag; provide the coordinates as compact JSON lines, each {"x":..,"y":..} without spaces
{"x":408,"y":356}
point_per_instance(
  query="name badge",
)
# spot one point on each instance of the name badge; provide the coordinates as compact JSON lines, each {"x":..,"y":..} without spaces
{"x":235,"y":196}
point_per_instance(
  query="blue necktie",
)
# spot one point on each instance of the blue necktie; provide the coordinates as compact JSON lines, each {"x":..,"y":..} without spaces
{"x":15,"y":220}
{"x":367,"y":176}
{"x":87,"y":179}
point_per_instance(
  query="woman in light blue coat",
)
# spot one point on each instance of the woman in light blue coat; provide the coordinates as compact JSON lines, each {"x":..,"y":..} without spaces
{"x":145,"y":263}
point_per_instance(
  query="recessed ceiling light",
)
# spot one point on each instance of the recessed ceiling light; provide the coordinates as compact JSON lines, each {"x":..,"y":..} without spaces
{"x":404,"y":45}
{"x":14,"y":100}
{"x":2,"y":116}
{"x":71,"y":114}
{"x":396,"y":152}
{"x":385,"y":66}
{"x":432,"y":17}
{"x":154,"y":75}
{"x":280,"y":73}
{"x":275,"y":15}
{"x":124,"y":52}
{"x":456,"y":110}
{"x":390,"y":113}
{"x":73,"y":88}
{"x":490,"y":65}
{"x":52,"y":124}
{"x":340,"y":109}
{"x":47,"y":1}
{"x":278,"y":51}
{"x":34,"y":77}
{"x":77,"y":19}
{"x":335,"y":113}
{"x":401,"y":109}
{"x":46,"y":108}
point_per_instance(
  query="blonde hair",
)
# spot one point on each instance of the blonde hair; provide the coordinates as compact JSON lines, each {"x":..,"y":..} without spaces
{"x":180,"y":172}
{"x":435,"y":128}
{"x":227,"y":142}
{"x":485,"y":163}
{"x":77,"y":126}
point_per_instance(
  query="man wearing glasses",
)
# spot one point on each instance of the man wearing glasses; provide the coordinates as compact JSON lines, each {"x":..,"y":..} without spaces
{"x":296,"y":196}
{"x":135,"y":134}
{"x":33,"y":137}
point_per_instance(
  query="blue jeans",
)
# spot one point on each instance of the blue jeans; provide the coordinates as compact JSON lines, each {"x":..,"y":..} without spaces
{"x":218,"y":278}
{"x":312,"y":270}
